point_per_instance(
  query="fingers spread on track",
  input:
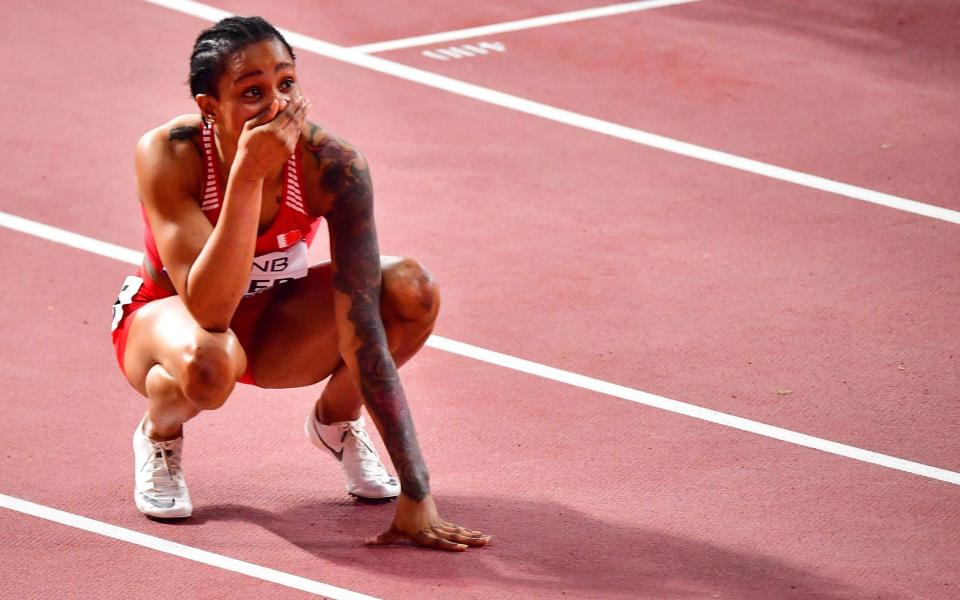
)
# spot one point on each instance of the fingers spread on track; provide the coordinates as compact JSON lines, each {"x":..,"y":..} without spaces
{"x":427,"y":539}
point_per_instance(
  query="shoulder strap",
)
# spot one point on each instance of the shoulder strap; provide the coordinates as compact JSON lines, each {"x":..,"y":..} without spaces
{"x":211,"y":185}
{"x":292,"y":183}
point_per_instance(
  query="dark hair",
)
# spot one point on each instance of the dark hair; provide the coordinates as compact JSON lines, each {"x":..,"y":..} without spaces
{"x":214,"y":46}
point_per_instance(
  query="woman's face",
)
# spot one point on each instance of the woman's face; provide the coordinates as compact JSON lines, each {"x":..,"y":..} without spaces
{"x":255,"y":76}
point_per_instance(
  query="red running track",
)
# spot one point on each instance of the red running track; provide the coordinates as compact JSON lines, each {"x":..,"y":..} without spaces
{"x":598,"y":256}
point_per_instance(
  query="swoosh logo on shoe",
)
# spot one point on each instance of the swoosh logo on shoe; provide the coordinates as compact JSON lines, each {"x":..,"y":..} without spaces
{"x":157,"y":503}
{"x":339,"y":455}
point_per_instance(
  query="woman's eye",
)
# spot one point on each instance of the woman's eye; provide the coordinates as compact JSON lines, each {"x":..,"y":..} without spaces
{"x":287,"y":83}
{"x":253,"y":92}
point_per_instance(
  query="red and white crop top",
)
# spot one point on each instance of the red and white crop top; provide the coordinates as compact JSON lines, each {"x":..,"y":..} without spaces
{"x":281,"y":250}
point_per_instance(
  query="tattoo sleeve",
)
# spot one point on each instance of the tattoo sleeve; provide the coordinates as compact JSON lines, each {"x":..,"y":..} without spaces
{"x":357,"y":278}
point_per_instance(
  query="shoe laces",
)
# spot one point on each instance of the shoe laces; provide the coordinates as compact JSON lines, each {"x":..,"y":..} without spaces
{"x":163,"y":465}
{"x":366,"y":453}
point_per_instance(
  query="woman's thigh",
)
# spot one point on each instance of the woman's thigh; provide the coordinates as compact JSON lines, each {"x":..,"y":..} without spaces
{"x":296,"y":342}
{"x":163,"y":332}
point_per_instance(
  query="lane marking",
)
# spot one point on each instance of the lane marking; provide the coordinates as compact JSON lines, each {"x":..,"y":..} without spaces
{"x":188,"y":552}
{"x":68,"y":238}
{"x":559,"y":375}
{"x":464,"y":51}
{"x":555,"y":19}
{"x":573,"y":119}
{"x":690,"y":410}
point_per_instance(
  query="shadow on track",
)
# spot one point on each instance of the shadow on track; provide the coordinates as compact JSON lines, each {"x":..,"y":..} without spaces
{"x":537,"y":546}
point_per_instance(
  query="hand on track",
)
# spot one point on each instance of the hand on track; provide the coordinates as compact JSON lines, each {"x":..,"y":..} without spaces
{"x":420,"y":524}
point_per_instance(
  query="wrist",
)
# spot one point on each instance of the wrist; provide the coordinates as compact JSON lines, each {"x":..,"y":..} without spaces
{"x":247,"y":168}
{"x":416,"y":486}
{"x":406,"y":503}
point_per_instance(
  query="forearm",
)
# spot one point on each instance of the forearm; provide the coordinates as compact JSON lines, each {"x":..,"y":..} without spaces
{"x":375,"y":375}
{"x":357,"y":281}
{"x":219,"y":276}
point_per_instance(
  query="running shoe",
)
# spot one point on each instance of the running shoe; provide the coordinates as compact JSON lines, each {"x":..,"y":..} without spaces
{"x":160,"y":489}
{"x":349,"y":443}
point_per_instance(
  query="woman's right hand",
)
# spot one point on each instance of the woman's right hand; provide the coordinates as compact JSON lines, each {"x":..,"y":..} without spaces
{"x":269,"y":138}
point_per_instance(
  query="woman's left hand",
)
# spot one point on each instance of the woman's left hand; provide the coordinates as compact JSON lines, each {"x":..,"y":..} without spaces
{"x":419,"y":523}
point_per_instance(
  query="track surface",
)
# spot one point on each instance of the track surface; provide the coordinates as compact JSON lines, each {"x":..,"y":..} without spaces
{"x":662,"y":273}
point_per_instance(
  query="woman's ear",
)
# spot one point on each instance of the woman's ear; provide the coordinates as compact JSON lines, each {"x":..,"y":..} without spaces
{"x":209,"y":108}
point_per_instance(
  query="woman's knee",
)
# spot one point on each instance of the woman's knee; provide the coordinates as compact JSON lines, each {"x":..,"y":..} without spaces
{"x":410,"y":292}
{"x":211,"y":366}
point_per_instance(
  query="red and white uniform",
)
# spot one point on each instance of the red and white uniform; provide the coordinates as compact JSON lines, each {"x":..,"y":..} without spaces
{"x":280,"y":254}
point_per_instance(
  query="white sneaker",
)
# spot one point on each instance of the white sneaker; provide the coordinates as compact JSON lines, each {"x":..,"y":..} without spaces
{"x":160,"y":489}
{"x":367,"y":478}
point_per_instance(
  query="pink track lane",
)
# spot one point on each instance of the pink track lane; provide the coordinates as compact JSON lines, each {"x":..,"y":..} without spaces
{"x":585,"y":498}
{"x":355,"y":23}
{"x":694,"y":289}
{"x":41,"y":559}
{"x":863,"y":92}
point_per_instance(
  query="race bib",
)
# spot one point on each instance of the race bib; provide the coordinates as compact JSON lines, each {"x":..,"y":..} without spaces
{"x":131,"y":285}
{"x":275,"y":268}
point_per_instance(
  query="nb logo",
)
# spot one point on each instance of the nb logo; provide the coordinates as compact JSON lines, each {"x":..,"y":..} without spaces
{"x":276,"y":265}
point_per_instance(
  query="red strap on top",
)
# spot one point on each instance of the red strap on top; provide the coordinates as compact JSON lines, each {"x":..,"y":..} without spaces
{"x":211,"y":196}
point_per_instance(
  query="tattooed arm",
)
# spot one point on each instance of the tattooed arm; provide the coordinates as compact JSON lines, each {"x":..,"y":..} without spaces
{"x":345,"y":181}
{"x":363,"y":342}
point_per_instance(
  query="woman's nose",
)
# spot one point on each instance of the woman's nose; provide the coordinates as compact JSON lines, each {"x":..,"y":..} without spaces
{"x":284,"y":99}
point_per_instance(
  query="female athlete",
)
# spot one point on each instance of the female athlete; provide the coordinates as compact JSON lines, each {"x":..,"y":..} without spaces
{"x":230,"y":199}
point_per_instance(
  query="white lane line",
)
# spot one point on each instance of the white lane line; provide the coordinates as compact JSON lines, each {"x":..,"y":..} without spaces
{"x":188,"y":552}
{"x":594,"y":385}
{"x":555,"y":19}
{"x":573,"y":119}
{"x":691,"y":410}
{"x":68,"y":238}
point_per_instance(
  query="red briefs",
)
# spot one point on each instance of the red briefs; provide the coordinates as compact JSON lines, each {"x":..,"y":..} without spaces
{"x":137,"y":291}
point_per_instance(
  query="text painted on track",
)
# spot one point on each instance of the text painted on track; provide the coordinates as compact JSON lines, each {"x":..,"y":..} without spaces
{"x":464,"y":51}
